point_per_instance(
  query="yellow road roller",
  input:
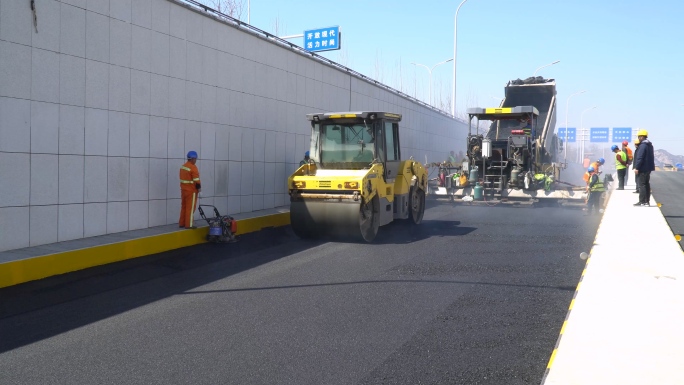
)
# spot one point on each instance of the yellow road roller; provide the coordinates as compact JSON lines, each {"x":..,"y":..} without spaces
{"x":355,"y":180}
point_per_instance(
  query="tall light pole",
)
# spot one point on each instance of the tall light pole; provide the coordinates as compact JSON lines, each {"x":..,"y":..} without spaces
{"x":430,"y":72}
{"x":535,"y":72}
{"x":453,"y":93}
{"x":567,"y":105}
{"x":581,"y":154}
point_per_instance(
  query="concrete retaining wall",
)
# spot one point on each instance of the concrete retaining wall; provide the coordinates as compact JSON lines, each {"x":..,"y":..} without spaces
{"x":99,"y":107}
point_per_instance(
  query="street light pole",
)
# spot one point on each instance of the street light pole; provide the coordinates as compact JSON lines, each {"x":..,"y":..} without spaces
{"x":535,"y":72}
{"x":567,"y":105}
{"x":582,"y":128}
{"x":453,"y":94}
{"x":430,"y":72}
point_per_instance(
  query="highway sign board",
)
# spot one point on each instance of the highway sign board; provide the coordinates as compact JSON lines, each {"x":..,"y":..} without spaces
{"x":322,"y":39}
{"x":622,"y":133}
{"x":572,"y":134}
{"x":599,"y":134}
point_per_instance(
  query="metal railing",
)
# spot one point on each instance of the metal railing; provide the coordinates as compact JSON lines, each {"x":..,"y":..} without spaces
{"x":250,"y":28}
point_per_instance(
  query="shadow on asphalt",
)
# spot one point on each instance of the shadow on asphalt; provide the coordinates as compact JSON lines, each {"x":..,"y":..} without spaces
{"x":19,"y":327}
{"x":381,"y":281}
{"x":405,"y":232}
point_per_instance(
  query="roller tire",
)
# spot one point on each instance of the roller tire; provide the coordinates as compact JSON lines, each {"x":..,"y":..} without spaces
{"x":416,"y":205}
{"x":369,"y":217}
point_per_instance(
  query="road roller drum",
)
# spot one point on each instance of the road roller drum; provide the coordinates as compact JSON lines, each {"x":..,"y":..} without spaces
{"x":352,"y":181}
{"x":354,"y":221}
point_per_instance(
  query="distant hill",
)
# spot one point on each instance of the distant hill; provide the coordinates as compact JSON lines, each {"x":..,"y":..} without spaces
{"x":664,"y":157}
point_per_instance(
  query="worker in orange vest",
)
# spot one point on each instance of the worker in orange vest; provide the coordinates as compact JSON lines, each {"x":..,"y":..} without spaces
{"x":190,"y":185}
{"x":630,"y":157}
{"x":595,"y":166}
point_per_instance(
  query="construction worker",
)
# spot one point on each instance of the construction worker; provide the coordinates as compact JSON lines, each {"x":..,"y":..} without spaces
{"x":191,"y":186}
{"x":600,"y":162}
{"x":596,"y":165}
{"x":452,"y":158}
{"x":636,"y":146}
{"x":644,"y":164}
{"x":620,"y":165}
{"x":630,"y":157}
{"x":527,"y":127}
{"x":305,"y":160}
{"x":595,"y":189}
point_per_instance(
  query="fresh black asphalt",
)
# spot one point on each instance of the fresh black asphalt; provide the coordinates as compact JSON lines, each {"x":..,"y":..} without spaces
{"x":667,"y":189}
{"x":474,"y":295}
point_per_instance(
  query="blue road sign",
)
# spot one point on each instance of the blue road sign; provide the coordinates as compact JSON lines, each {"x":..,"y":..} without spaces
{"x":572,"y":134}
{"x":599,"y":135}
{"x":322,"y":39}
{"x":678,"y":165}
{"x":622,"y":133}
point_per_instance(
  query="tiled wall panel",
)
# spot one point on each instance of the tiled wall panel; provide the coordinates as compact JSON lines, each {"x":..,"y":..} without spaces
{"x":99,"y":107}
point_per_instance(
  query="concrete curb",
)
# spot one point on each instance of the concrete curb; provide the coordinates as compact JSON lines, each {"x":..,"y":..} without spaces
{"x":623,"y":326}
{"x":31,"y":269}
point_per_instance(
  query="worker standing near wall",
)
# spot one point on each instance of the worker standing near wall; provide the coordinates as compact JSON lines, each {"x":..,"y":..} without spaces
{"x":191,"y":186}
{"x":620,"y":166}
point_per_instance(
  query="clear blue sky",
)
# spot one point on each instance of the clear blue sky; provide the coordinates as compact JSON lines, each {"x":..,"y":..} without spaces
{"x":628,"y":55}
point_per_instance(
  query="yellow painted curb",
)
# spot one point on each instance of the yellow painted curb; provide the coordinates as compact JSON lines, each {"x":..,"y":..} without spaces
{"x":31,"y":269}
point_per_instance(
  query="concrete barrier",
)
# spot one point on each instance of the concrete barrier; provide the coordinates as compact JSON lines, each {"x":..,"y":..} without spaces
{"x":31,"y":269}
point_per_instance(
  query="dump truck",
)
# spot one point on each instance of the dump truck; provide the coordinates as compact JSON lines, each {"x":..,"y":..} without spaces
{"x":355,"y":180}
{"x":519,"y":156}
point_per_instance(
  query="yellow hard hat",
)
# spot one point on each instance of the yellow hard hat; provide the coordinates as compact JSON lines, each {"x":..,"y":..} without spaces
{"x":636,"y":141}
{"x":642,"y":133}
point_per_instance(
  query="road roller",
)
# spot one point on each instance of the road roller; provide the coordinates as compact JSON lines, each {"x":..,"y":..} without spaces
{"x":355,"y":181}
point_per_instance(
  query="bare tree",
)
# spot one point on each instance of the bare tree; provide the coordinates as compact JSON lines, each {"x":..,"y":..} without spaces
{"x":471,"y":100}
{"x":444,"y":97}
{"x":343,"y":57}
{"x":377,"y":67}
{"x":401,"y":77}
{"x":278,"y":27}
{"x":232,"y":8}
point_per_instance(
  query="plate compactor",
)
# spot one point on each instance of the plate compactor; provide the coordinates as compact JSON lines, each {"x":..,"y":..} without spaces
{"x":355,"y":180}
{"x":222,"y":228}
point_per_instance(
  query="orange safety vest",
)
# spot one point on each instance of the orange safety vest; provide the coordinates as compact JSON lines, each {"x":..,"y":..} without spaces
{"x":595,"y":165}
{"x":630,"y":156}
{"x":189,"y":177}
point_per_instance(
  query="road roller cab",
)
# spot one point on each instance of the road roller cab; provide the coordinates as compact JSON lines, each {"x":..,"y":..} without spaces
{"x":355,"y":180}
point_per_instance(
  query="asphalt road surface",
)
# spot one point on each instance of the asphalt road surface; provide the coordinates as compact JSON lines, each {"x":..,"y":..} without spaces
{"x":667,"y":189}
{"x":474,"y":295}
